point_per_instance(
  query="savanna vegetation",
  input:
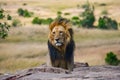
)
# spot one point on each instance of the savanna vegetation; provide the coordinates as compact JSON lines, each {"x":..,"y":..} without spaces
{"x":112,"y":59}
{"x":24,"y":31}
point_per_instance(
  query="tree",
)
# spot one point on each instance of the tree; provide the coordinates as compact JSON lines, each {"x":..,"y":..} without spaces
{"x":88,"y":17}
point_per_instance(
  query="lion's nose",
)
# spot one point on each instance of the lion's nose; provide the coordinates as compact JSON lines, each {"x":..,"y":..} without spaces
{"x":57,"y":39}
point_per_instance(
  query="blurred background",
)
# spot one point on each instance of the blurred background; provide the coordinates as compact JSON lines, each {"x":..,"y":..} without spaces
{"x":24,"y":29}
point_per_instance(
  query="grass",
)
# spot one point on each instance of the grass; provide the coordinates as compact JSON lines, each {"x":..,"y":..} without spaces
{"x":21,"y":55}
{"x":26,"y":47}
{"x":95,"y":34}
{"x":12,"y":64}
{"x":28,"y":34}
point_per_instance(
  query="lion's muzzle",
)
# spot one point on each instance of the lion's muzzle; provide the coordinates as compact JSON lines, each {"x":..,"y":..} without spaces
{"x":58,"y":42}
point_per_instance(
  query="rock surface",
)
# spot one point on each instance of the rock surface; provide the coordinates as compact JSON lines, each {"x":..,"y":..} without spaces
{"x":81,"y":72}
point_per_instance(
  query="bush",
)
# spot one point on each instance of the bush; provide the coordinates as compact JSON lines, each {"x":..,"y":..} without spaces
{"x":36,"y":20}
{"x":88,"y":17}
{"x":59,"y":13}
{"x":47,"y":21}
{"x":16,"y":22}
{"x":27,"y":13}
{"x":24,"y":4}
{"x":24,"y":13}
{"x":20,"y":12}
{"x":1,"y":14}
{"x":4,"y":27}
{"x":107,"y":23}
{"x":103,"y":4}
{"x":75,"y":20}
{"x":111,"y":59}
{"x":9,"y":17}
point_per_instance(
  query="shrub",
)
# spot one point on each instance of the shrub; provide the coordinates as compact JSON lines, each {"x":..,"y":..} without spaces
{"x":111,"y":59}
{"x":9,"y":17}
{"x":75,"y":20}
{"x":47,"y":21}
{"x":16,"y":22}
{"x":1,"y":14}
{"x":24,"y":13}
{"x":4,"y":27}
{"x":20,"y":12}
{"x":107,"y":23}
{"x":102,"y":4}
{"x":59,"y":13}
{"x":27,"y":13}
{"x":36,"y":20}
{"x":24,"y":4}
{"x":88,"y":17}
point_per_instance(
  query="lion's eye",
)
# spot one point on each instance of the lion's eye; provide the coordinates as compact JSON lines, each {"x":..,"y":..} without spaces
{"x":61,"y":32}
{"x":53,"y":32}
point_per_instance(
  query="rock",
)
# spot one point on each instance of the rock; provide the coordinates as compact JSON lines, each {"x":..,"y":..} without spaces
{"x":81,"y":71}
{"x":77,"y":65}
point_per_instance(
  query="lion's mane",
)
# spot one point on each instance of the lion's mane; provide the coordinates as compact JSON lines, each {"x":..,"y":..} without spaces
{"x":57,"y":58}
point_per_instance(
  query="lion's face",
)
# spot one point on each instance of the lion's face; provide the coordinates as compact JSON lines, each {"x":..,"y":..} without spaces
{"x":59,"y":36}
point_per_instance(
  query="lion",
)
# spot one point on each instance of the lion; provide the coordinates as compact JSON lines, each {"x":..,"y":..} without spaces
{"x":61,"y":44}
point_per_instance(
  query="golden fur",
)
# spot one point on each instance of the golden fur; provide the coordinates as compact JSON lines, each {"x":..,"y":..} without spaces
{"x":56,"y":29}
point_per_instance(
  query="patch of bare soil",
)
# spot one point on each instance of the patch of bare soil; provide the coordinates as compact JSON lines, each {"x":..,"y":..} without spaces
{"x":81,"y":71}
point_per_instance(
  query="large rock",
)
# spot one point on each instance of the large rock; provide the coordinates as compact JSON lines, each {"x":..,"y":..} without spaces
{"x":81,"y":72}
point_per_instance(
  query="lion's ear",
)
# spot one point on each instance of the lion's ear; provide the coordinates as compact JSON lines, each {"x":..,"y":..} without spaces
{"x":68,"y":36}
{"x":52,"y":25}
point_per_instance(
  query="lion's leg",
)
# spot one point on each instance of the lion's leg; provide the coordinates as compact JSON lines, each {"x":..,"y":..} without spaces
{"x":70,"y":64}
{"x":63,"y":64}
{"x":48,"y":61}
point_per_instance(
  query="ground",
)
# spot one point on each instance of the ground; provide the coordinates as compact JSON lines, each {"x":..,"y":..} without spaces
{"x":79,"y":73}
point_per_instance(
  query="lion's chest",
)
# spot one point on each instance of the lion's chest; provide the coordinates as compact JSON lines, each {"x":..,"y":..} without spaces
{"x":60,"y":60}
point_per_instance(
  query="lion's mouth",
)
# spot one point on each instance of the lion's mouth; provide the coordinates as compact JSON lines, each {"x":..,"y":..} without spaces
{"x":58,"y":44}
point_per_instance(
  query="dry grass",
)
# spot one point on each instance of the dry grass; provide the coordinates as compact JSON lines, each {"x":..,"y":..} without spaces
{"x":19,"y":51}
{"x":95,"y":55}
{"x":15,"y":56}
{"x":26,"y":46}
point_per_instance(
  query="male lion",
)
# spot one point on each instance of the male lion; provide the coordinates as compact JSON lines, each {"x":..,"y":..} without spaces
{"x":61,"y":44}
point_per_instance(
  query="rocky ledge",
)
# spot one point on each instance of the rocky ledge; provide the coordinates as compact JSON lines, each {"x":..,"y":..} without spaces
{"x":81,"y":72}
